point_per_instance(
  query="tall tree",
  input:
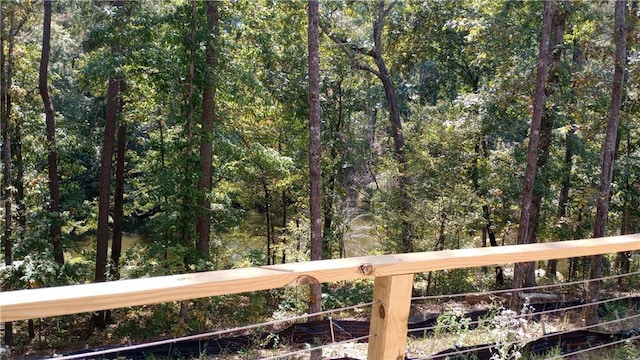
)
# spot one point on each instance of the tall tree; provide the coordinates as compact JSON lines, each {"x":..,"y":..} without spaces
{"x":315,"y":176}
{"x":630,"y":199}
{"x":114,"y":91}
{"x":7,"y":186}
{"x":203,"y":222}
{"x":118,"y":196}
{"x":315,"y":172}
{"x":187,"y":193}
{"x":608,"y":154}
{"x":52,"y":157}
{"x":558,"y":19}
{"x":104,"y":200}
{"x":382,"y":72}
{"x":532,"y":154}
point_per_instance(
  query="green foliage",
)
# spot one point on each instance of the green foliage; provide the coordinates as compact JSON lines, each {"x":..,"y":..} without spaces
{"x":293,"y":301}
{"x":452,"y":321}
{"x":348,"y":293}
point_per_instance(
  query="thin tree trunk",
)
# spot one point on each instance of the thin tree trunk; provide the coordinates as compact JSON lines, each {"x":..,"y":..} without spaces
{"x":389,"y":89}
{"x":3,"y":82}
{"x":396,"y":125}
{"x":382,"y":73}
{"x":532,"y":155}
{"x":7,"y":183}
{"x":104,"y":192}
{"x":546,"y":127}
{"x":628,"y":224}
{"x":104,"y":182}
{"x":563,"y":200}
{"x":331,"y":236}
{"x":186,"y":217}
{"x":203,"y":222}
{"x":268,"y":220}
{"x":118,"y":200}
{"x":608,"y":153}
{"x":315,"y":176}
{"x":105,"y":179}
{"x":52,"y":158}
{"x":285,"y":233}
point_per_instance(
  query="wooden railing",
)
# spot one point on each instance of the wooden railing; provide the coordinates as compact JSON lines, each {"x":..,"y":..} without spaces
{"x":391,"y":298}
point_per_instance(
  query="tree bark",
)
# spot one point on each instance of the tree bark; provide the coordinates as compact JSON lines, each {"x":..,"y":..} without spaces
{"x":608,"y":153}
{"x":186,"y":219}
{"x":396,"y":124}
{"x":268,"y":220}
{"x":104,"y":192}
{"x":52,"y":158}
{"x":7,"y":192}
{"x":203,"y":222}
{"x":331,"y":236}
{"x":105,"y":179}
{"x":118,"y":198}
{"x":546,"y":128}
{"x":532,"y":154}
{"x":315,"y":175}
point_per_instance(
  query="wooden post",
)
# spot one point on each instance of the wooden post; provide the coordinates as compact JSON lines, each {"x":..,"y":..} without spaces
{"x":389,"y":317}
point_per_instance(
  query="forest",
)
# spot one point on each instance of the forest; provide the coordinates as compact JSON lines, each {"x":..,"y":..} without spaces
{"x":145,"y":138}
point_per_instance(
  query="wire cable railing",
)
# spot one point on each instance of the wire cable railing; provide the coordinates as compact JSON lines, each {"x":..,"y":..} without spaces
{"x":219,"y":333}
{"x":428,"y":330}
{"x":629,"y":334}
{"x":387,"y":330}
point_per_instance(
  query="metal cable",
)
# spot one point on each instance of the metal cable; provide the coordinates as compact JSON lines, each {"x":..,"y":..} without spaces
{"x":317,"y":347}
{"x":208,"y":334}
{"x":332,"y":311}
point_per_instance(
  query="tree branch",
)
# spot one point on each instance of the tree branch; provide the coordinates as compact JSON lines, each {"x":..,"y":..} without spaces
{"x":346,"y":44}
{"x":350,"y":50}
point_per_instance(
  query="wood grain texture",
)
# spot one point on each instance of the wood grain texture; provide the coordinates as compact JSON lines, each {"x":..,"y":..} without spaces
{"x":390,"y":317}
{"x":37,"y":303}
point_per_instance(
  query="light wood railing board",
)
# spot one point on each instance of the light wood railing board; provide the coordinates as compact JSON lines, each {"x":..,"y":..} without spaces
{"x":37,"y":303}
{"x":390,"y":317}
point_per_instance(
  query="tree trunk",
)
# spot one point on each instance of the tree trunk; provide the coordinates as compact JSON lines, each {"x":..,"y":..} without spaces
{"x":7,"y":76}
{"x":114,"y":103}
{"x":315,"y":175}
{"x":186,"y":218}
{"x":629,"y":222}
{"x":546,"y":128}
{"x":104,"y":197}
{"x":608,"y":153}
{"x":384,"y":75}
{"x":268,"y":220}
{"x":520,"y":270}
{"x":396,"y":126}
{"x":284,"y":226}
{"x":118,"y":199}
{"x":332,"y":238}
{"x":389,"y":88}
{"x":203,"y":222}
{"x":563,"y":200}
{"x":52,"y":158}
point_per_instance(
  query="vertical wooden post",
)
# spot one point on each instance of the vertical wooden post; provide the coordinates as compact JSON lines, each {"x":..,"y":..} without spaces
{"x":389,"y":317}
